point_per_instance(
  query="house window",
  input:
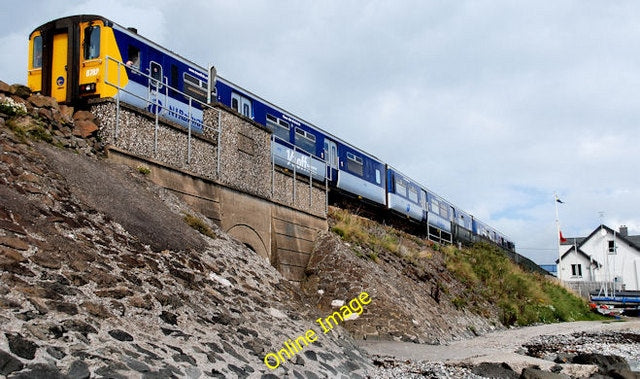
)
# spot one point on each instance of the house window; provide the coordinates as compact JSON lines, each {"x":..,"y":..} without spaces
{"x":576,"y":270}
{"x":612,"y":247}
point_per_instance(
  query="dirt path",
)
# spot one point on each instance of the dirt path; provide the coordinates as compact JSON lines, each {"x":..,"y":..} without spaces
{"x":499,"y":346}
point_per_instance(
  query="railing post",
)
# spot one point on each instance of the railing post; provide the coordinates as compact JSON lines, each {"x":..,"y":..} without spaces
{"x":273,"y":168}
{"x":157,"y":127}
{"x":219,"y":140}
{"x":295,"y":183}
{"x":310,"y":189}
{"x":189,"y":132}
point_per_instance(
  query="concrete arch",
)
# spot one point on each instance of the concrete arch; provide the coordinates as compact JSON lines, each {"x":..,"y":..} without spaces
{"x":250,"y":237}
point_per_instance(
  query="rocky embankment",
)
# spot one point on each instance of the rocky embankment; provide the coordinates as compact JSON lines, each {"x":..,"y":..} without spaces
{"x":102,"y":277}
{"x":103,"y":274}
{"x":412,"y":303}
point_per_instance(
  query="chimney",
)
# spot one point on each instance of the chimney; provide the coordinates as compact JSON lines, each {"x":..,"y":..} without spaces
{"x":623,"y":230}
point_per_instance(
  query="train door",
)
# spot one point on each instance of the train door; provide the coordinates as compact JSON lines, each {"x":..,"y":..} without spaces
{"x":331,"y":157}
{"x":59,"y":67}
{"x":241,"y":104}
{"x":155,"y":98}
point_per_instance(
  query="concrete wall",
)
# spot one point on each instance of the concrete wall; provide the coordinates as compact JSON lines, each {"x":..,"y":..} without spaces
{"x":247,"y":198}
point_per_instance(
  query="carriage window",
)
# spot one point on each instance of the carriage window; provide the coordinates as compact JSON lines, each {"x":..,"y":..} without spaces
{"x":195,"y":87}
{"x":305,"y":140}
{"x":354,"y":164}
{"x":401,"y":187}
{"x":37,"y":52}
{"x":280,"y":127}
{"x":378,"y":176}
{"x":133,"y":54}
{"x":413,"y":194}
{"x":434,"y":206}
{"x":91,"y":42}
{"x":444,"y":211}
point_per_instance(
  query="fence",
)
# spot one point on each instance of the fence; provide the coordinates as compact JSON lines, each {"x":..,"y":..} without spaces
{"x":158,"y":108}
{"x":207,"y":121}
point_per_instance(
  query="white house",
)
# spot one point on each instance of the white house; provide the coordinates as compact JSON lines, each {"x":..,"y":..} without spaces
{"x":605,"y":256}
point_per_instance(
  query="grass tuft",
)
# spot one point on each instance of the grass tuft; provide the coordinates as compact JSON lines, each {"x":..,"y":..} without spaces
{"x":199,"y":225}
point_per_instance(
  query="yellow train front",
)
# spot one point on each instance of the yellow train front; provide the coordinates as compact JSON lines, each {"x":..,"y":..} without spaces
{"x":77,"y":58}
{"x":67,"y":58}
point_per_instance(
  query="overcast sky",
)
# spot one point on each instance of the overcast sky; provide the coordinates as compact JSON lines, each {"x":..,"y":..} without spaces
{"x":495,"y":105}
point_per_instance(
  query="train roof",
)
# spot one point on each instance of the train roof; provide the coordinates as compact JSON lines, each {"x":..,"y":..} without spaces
{"x":124,"y":29}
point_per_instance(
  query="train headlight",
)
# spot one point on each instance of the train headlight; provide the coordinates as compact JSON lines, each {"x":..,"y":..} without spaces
{"x":87,"y":88}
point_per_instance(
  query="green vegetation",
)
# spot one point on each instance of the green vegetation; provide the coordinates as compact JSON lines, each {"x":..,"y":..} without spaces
{"x":522,"y":298}
{"x":375,"y":238}
{"x":24,"y":128}
{"x":199,"y":225}
{"x":144,"y":170}
{"x":492,"y":280}
{"x":10,"y":107}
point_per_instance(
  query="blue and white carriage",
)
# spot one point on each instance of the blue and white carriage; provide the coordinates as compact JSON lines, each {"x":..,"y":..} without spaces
{"x":87,"y":56}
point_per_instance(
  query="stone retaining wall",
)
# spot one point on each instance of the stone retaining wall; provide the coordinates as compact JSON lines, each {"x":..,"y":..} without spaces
{"x":136,"y":134}
{"x":269,"y":209}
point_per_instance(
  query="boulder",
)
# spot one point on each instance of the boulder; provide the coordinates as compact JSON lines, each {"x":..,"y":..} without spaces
{"x":20,"y":90}
{"x":66,"y":113}
{"x":43,"y":101}
{"x":84,"y":128}
{"x":4,"y":87}
{"x":83,"y":116}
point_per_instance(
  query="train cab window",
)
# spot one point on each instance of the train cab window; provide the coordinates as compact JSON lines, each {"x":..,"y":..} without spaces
{"x":354,"y":164}
{"x":37,"y":52}
{"x":133,"y":57}
{"x":280,"y":127}
{"x":156,"y":74}
{"x":91,"y":42}
{"x":305,"y":140}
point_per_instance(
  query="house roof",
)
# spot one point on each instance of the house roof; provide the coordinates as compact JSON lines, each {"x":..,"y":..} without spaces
{"x":633,"y":241}
{"x":580,"y":252}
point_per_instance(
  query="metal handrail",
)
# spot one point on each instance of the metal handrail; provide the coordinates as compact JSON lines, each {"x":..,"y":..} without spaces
{"x":295,"y":148}
{"x":156,"y":106}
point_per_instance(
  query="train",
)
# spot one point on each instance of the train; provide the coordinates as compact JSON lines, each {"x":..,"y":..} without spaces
{"x":77,"y":58}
